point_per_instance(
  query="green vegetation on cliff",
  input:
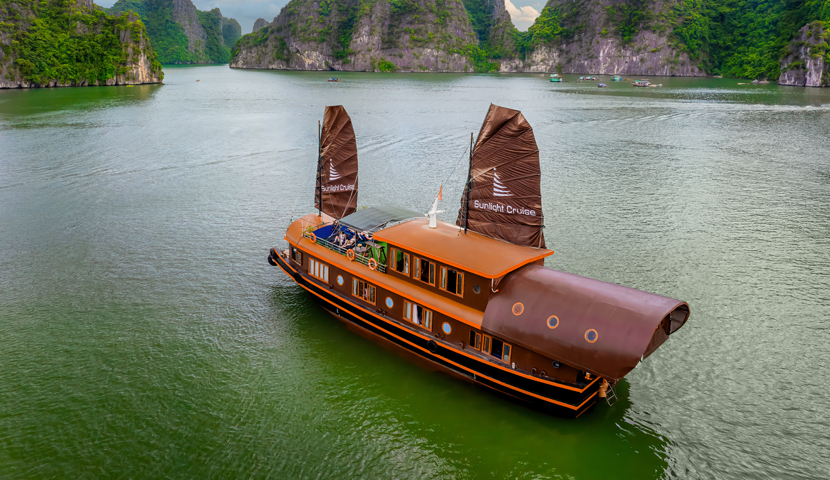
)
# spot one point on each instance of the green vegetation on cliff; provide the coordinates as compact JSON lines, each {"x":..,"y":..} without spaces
{"x":69,"y":44}
{"x":215,"y":48}
{"x":743,"y":38}
{"x":167,"y":36}
{"x":171,"y":41}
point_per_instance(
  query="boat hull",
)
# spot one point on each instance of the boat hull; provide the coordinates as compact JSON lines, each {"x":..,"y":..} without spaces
{"x":436,"y":354}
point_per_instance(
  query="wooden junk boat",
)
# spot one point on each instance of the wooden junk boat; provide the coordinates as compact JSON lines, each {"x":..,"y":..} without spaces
{"x":473,"y":299}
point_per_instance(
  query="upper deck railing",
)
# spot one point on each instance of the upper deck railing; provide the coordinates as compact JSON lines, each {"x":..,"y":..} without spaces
{"x":364,"y":259}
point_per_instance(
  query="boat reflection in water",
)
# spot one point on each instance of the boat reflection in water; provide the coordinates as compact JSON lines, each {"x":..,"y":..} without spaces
{"x":473,"y":299}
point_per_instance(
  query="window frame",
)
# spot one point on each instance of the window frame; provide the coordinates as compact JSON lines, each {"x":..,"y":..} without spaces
{"x":296,"y":252}
{"x":393,"y":261}
{"x":358,"y":284}
{"x":509,"y":348}
{"x":475,"y":339}
{"x":417,"y":270}
{"x":318,"y":270}
{"x":486,"y":343}
{"x":444,"y":280}
{"x":426,"y":314}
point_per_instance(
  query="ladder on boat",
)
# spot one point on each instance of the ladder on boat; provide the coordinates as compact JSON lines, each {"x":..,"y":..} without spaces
{"x":611,"y":396}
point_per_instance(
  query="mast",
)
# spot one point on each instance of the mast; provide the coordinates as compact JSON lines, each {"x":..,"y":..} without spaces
{"x":319,"y":169}
{"x":467,"y":187}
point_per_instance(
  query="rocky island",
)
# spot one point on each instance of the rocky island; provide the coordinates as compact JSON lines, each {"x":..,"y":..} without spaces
{"x":734,"y":38}
{"x":59,"y":43}
{"x":181,"y":34}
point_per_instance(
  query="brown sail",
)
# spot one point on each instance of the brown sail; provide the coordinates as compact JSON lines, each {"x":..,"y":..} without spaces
{"x":336,"y":192}
{"x":503,"y":198}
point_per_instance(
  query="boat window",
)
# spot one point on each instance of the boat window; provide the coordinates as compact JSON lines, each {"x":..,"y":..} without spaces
{"x":505,"y":353}
{"x":452,"y":281}
{"x":486,"y":343}
{"x":399,"y":261}
{"x":496,"y":349}
{"x":475,"y":339}
{"x":363,"y":290}
{"x":297,"y":255}
{"x":318,"y":270}
{"x":425,"y":271}
{"x":417,"y":314}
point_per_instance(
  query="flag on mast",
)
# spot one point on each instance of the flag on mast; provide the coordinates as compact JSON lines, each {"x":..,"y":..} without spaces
{"x":441,"y":193}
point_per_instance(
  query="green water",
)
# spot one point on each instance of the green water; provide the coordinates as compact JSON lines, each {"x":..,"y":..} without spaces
{"x":145,"y":336}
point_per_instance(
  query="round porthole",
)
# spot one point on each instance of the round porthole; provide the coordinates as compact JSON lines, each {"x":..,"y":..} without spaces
{"x":476,"y":288}
{"x":591,"y":335}
{"x":518,"y":308}
{"x":389,"y":303}
{"x":446,"y":328}
{"x":340,"y":280}
{"x":553,"y":322}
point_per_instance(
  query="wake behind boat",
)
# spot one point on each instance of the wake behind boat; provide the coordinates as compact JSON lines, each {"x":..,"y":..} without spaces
{"x":473,"y":299}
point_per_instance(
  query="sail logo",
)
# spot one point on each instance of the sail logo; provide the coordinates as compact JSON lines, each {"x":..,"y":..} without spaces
{"x":338,"y":188}
{"x":500,"y":189}
{"x":502,"y":208}
{"x":333,"y":174}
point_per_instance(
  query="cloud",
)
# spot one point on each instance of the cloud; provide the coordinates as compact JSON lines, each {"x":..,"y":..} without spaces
{"x":522,"y":17}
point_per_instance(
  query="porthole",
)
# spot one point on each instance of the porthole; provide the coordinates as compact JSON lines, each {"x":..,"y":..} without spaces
{"x":446,"y":328}
{"x":476,"y":288}
{"x":389,"y":302}
{"x":553,"y":322}
{"x":340,"y":280}
{"x":518,"y":308}
{"x":591,"y":335}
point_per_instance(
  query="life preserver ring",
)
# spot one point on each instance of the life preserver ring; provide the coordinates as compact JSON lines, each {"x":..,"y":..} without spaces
{"x":312,"y":237}
{"x":373,"y":264}
{"x":350,"y":254}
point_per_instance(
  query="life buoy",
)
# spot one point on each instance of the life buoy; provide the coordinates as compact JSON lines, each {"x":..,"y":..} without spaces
{"x":350,"y":255}
{"x":312,"y":237}
{"x":373,"y":264}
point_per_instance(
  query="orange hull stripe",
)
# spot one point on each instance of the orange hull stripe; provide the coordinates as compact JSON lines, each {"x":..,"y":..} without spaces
{"x":536,"y":379}
{"x":465,"y":368}
{"x":461,"y":366}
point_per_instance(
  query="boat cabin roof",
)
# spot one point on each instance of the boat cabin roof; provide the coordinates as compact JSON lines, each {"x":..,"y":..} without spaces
{"x":471,"y":252}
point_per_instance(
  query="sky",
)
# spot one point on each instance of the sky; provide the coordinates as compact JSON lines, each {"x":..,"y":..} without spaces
{"x":523,"y":12}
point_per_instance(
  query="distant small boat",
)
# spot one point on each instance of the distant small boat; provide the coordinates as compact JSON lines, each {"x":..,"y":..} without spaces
{"x":555,"y":77}
{"x":641,"y":83}
{"x":617,"y":78}
{"x":197,"y":80}
{"x":334,"y":79}
{"x":601,"y":85}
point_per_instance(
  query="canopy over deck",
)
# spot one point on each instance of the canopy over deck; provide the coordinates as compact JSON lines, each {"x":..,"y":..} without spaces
{"x":601,"y":328}
{"x":374,"y":218}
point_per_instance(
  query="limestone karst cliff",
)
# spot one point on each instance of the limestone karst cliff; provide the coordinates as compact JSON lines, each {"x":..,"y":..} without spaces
{"x":72,"y":43}
{"x":259,"y":23}
{"x":384,"y":35}
{"x":457,"y":36}
{"x":807,"y":62}
{"x":602,"y":37}
{"x":182,"y":34}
